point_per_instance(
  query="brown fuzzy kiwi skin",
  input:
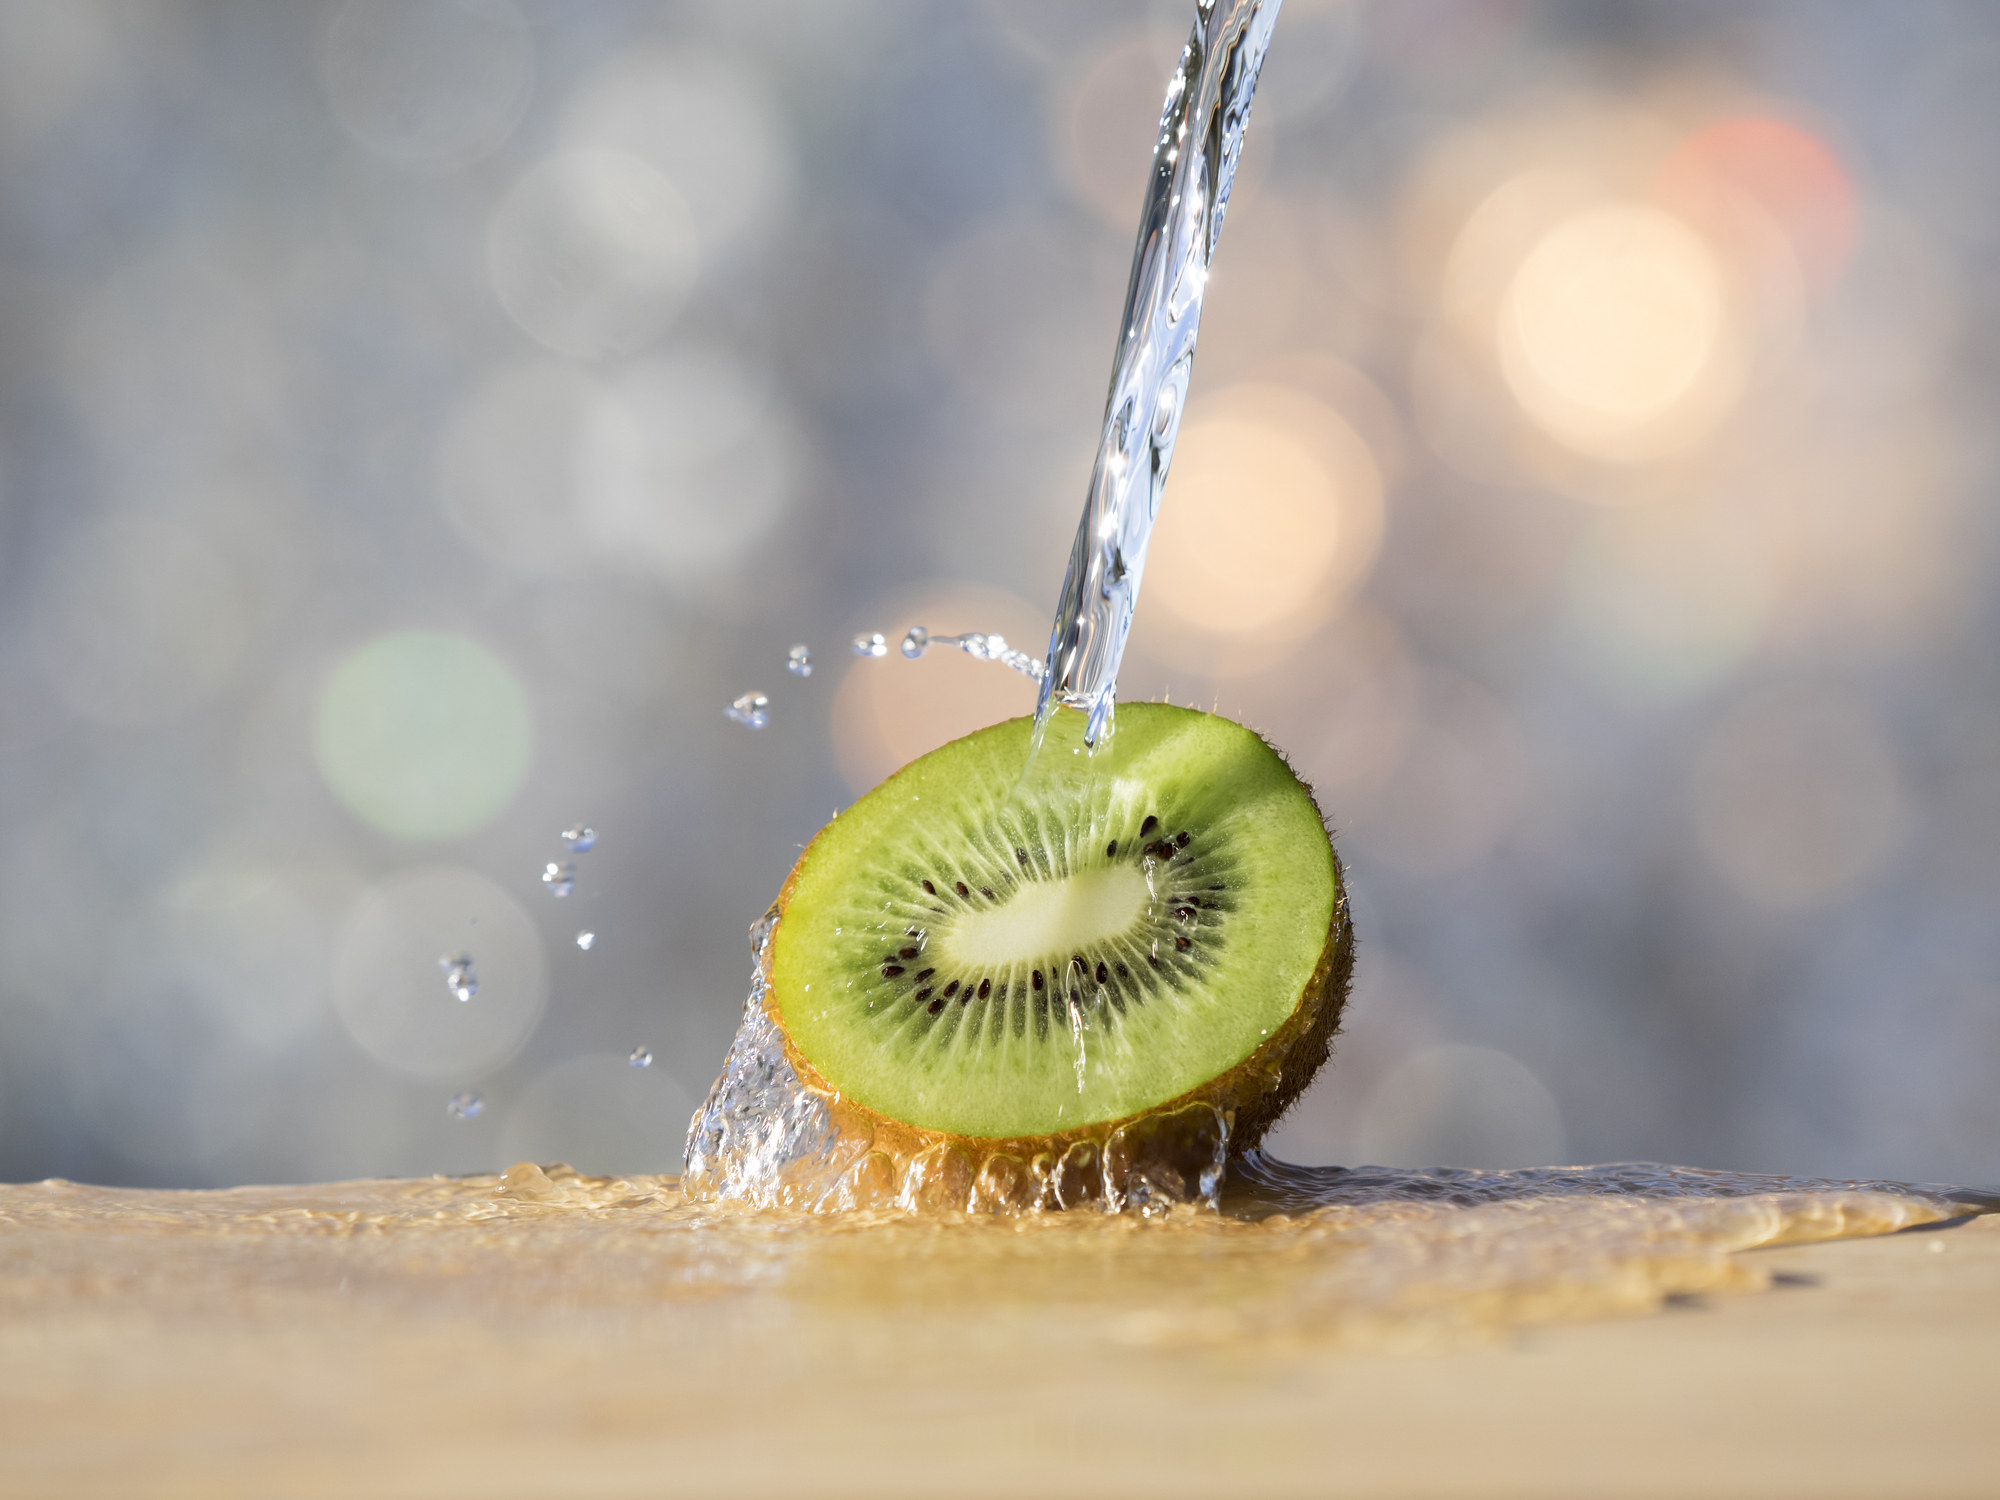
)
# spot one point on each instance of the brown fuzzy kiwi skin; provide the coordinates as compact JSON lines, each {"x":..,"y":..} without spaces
{"x":1251,"y":1096}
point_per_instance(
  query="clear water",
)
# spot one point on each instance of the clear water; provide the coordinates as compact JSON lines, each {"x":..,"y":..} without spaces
{"x":1187,"y":195}
{"x":752,"y":711}
{"x":870,"y":643}
{"x":799,"y":661}
{"x":977,"y":644}
{"x":580,"y":838}
{"x":458,"y":976}
{"x":586,"y":940}
{"x":559,"y":877}
{"x":465,"y":1106}
{"x":642,"y":1057}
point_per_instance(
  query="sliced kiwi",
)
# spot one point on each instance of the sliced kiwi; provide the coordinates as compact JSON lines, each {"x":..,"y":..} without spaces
{"x":978,"y":955}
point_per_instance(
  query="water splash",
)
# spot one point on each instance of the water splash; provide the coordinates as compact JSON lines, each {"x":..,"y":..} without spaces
{"x":799,"y":661}
{"x":559,"y":878}
{"x":580,"y":839}
{"x":1194,"y":163}
{"x":870,"y":643}
{"x":586,"y":941}
{"x":976,"y":644}
{"x":458,"y":976}
{"x":642,"y":1057}
{"x":764,"y":1138}
{"x":752,"y":711}
{"x":465,"y":1106}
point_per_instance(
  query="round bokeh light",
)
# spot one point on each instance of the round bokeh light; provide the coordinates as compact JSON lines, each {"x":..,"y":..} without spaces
{"x":423,"y":734}
{"x":392,"y":995}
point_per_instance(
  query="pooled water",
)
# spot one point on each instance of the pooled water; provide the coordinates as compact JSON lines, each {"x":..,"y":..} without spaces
{"x":799,"y":662}
{"x":559,"y":878}
{"x":458,"y":976}
{"x":1194,"y":162}
{"x":752,"y":710}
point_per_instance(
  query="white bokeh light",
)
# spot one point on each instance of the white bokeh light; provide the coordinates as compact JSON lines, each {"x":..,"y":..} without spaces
{"x":674,"y":468}
{"x":592,"y":253}
{"x":705,"y":121}
{"x":428,"y":83}
{"x":392,"y":995}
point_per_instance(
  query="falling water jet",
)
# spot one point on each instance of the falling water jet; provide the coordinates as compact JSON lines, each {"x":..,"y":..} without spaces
{"x":1187,"y":194}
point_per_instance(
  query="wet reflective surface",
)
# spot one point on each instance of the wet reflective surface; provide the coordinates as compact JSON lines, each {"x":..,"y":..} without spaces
{"x":542,"y":1332}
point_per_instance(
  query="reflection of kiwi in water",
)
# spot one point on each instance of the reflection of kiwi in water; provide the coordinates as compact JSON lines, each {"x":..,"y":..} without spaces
{"x":1013,"y":979}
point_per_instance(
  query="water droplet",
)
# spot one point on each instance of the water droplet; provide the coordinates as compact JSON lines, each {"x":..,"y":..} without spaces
{"x":586,"y":940}
{"x":870,"y":644}
{"x":465,"y":1106}
{"x":560,"y":879}
{"x":581,"y":839}
{"x":752,"y":710}
{"x":799,"y":662}
{"x":915,"y":642}
{"x":642,"y":1057}
{"x":458,"y":975}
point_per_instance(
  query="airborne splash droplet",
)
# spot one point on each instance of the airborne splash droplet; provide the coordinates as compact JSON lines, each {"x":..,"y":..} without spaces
{"x":870,"y":643}
{"x":458,"y":976}
{"x":586,"y":941}
{"x":642,"y":1057}
{"x":465,"y":1106}
{"x":799,"y":661}
{"x":581,"y":838}
{"x":752,"y":711}
{"x":559,"y":878}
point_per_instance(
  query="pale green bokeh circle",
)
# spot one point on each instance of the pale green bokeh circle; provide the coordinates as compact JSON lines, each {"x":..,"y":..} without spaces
{"x":423,"y":734}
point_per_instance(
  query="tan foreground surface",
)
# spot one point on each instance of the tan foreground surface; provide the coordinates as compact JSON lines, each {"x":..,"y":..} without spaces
{"x":561,"y":1336}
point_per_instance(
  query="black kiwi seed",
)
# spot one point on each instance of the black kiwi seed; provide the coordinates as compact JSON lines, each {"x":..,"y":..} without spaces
{"x":1184,"y":913}
{"x":923,"y":974}
{"x":911,"y":952}
{"x":1036,"y":980}
{"x":1153,"y":959}
{"x":1103,"y":974}
{"x":960,"y":887}
{"x":922,"y":996}
{"x":1111,"y":849}
{"x":929,"y":889}
{"x":1123,"y":972}
{"x":936,"y":1006}
{"x":1183,"y":839}
{"x":1183,"y":943}
{"x":985,"y":988}
{"x":987,"y":892}
{"x":966,"y":998}
{"x":1021,"y":855}
{"x":951,"y":989}
{"x":1076,"y":962}
{"x":890,"y":971}
{"x":1148,"y":826}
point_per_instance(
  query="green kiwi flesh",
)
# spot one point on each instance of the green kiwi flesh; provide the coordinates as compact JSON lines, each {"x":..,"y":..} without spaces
{"x":975,"y":950}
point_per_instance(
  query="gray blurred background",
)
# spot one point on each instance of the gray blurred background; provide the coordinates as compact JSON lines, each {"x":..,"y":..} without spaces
{"x":419,"y":421}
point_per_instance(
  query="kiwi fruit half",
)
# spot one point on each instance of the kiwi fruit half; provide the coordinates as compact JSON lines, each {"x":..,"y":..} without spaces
{"x":1005,"y":963}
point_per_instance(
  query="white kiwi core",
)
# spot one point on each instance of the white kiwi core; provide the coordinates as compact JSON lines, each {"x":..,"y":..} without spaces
{"x":1067,"y":914}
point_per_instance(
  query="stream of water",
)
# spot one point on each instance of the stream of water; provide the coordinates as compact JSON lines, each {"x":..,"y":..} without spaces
{"x":1187,"y":195}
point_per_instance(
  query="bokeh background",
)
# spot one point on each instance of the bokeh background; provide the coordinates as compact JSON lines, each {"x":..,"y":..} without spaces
{"x":419,"y":421}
